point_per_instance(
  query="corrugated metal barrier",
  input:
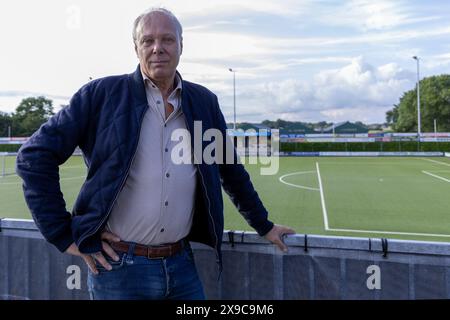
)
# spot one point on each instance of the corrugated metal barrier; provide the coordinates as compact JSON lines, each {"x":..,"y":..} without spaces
{"x":316,"y":267}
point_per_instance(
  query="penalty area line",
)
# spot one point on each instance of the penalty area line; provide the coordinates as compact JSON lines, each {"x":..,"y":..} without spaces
{"x":436,"y":176}
{"x":322,"y":199}
{"x":438,"y":162}
{"x":327,"y":228}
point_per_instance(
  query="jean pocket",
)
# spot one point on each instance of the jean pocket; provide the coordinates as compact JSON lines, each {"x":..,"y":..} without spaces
{"x":189,"y":253}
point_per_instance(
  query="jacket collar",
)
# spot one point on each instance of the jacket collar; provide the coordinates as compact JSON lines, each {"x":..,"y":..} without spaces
{"x":138,"y":85}
{"x":138,"y":92}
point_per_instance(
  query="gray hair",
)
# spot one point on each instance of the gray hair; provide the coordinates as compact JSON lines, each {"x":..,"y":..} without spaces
{"x":151,"y":11}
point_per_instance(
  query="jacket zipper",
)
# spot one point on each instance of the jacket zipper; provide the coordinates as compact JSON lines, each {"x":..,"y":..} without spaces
{"x":209,"y":202}
{"x":209,"y":212}
{"x":123,"y":181}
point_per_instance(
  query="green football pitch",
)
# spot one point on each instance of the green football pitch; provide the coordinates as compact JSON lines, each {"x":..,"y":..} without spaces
{"x":406,"y":198}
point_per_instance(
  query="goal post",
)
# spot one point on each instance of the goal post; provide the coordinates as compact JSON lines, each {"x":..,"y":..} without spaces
{"x":7,"y":163}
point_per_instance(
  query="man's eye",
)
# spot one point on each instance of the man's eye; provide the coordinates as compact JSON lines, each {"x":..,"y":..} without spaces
{"x":169,"y":40}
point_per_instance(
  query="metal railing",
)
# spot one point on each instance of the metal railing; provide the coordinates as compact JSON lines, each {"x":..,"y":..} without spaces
{"x":316,"y":267}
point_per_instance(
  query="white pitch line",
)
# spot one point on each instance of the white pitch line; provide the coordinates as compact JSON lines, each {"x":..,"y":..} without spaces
{"x":296,"y":185}
{"x":392,"y":232}
{"x":438,"y":162}
{"x":436,"y":176}
{"x":322,"y":198}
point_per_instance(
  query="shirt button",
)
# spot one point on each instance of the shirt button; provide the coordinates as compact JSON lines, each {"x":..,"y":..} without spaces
{"x":166,"y":150}
{"x":166,"y":203}
{"x":162,"y":230}
{"x":167,"y":175}
{"x":158,"y":102}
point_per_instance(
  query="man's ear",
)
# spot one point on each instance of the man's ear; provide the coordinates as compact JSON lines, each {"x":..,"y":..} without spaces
{"x":136,"y":50}
{"x":181,"y":46}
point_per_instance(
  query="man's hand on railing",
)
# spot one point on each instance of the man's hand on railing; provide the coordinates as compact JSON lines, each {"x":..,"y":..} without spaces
{"x":275,"y":235}
{"x":106,"y":237}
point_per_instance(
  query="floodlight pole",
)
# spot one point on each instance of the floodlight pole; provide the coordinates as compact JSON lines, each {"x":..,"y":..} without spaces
{"x":234,"y":97}
{"x":418,"y":97}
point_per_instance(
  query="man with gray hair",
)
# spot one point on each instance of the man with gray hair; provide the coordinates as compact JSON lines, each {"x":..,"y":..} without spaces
{"x":138,"y":210}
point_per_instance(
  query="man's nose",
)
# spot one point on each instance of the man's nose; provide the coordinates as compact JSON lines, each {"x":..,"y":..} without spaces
{"x":157,"y":47}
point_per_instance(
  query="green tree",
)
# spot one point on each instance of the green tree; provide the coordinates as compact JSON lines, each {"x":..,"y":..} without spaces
{"x":392,"y":116}
{"x":359,"y":123}
{"x":5,"y":122}
{"x":434,"y":104}
{"x":31,"y":114}
{"x":321,"y":125}
{"x":270,"y":124}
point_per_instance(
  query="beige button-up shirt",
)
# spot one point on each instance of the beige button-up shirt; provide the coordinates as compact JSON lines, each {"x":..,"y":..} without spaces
{"x":156,"y":204}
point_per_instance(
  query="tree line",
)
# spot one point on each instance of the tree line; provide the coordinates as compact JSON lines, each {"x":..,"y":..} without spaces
{"x":434,"y":105}
{"x":29,"y":115}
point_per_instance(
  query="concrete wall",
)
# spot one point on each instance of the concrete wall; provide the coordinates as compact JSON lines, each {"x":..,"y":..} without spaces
{"x":316,"y":267}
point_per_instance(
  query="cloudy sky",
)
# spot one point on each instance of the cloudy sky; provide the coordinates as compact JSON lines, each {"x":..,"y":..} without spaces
{"x":294,"y":59}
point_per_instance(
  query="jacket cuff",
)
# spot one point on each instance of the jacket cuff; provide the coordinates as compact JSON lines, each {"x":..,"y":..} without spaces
{"x":91,"y":245}
{"x":63,"y":241}
{"x":265,"y":228}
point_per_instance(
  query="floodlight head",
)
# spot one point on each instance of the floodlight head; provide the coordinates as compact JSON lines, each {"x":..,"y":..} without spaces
{"x":415,"y":58}
{"x":231,"y":70}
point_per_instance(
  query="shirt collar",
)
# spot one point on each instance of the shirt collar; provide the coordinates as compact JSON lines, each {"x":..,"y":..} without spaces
{"x":178,"y":87}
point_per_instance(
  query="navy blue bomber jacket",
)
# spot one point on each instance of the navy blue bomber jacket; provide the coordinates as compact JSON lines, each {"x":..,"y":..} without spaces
{"x":104,"y":119}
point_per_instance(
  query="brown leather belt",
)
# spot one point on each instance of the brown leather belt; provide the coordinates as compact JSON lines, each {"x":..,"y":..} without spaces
{"x":151,"y":252}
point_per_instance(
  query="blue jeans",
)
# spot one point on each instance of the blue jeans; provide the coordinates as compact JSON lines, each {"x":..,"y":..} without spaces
{"x":141,"y":278}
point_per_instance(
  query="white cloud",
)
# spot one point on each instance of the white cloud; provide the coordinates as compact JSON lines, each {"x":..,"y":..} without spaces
{"x":207,"y":7}
{"x":278,"y":53}
{"x":361,"y":84}
{"x":437,"y":61}
{"x":367,"y":15}
{"x":377,"y":15}
{"x":356,"y":91}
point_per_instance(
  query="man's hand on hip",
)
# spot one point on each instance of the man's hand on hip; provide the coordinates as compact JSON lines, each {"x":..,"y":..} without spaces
{"x":106,"y":237}
{"x":275,"y":235}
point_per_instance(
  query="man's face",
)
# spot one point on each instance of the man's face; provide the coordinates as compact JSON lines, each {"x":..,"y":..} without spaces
{"x":158,"y":47}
